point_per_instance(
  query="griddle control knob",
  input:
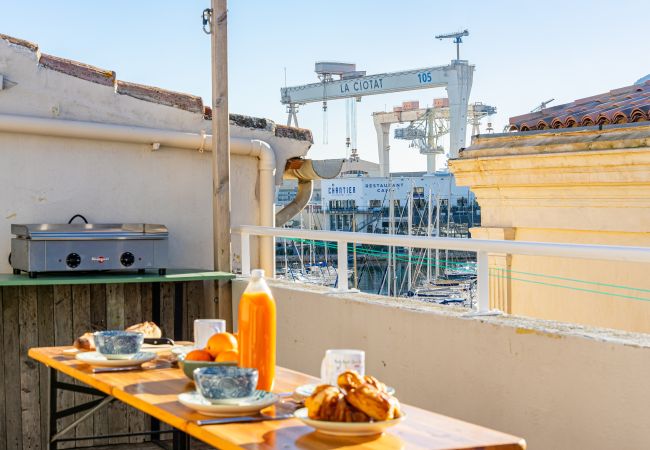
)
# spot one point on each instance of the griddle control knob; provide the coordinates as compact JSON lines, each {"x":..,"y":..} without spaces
{"x":73,"y":260}
{"x":127,"y":259}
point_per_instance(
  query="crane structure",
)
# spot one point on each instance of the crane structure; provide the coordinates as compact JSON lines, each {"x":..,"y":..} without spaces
{"x":542,"y":105}
{"x":457,"y":39}
{"x":352,"y":84}
{"x":426,"y":127}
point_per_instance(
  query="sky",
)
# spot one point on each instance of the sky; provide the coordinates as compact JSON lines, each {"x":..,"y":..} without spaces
{"x":524,"y":52}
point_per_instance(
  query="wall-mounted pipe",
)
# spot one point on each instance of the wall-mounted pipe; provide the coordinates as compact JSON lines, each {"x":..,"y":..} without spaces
{"x":303,"y":195}
{"x":266,"y":167}
{"x":178,"y":139}
{"x":305,"y":171}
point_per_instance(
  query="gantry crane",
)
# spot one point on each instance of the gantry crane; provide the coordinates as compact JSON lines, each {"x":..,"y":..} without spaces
{"x":352,"y":84}
{"x":457,"y":39}
{"x":427,"y":126}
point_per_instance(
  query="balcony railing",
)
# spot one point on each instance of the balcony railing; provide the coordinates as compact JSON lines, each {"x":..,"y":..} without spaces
{"x":481,"y":247}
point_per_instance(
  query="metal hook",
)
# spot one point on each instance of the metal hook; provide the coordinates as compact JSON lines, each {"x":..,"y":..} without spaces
{"x":206,"y":18}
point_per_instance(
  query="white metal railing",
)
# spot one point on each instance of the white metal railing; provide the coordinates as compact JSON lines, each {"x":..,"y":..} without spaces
{"x":480,"y":246}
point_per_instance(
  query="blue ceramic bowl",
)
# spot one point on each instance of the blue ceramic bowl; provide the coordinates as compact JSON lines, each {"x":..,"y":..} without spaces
{"x":115,"y":344}
{"x":219,"y":383}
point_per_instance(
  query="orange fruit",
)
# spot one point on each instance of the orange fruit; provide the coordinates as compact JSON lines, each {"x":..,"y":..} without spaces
{"x":221,"y":342}
{"x":198,"y":355}
{"x":228,"y":356}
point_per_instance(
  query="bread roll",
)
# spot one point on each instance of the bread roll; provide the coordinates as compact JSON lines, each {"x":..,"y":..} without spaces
{"x":85,"y":342}
{"x":149,"y":329}
{"x":376,"y":404}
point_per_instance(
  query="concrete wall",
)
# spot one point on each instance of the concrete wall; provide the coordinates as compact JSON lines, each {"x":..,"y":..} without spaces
{"x":583,"y":186}
{"x":48,"y":180}
{"x":558,"y":386}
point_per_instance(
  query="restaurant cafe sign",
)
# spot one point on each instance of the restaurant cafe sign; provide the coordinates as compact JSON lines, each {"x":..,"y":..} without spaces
{"x":341,"y":190}
{"x":345,"y":190}
{"x":383,"y":187}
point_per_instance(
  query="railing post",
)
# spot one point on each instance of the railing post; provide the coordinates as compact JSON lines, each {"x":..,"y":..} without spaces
{"x":246,"y":254}
{"x":483,"y":280}
{"x":342,"y":265}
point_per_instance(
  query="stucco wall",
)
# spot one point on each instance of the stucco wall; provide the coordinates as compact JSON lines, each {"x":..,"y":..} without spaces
{"x":556,"y":385}
{"x":47,"y":180}
{"x":44,"y":180}
{"x":585,"y":186}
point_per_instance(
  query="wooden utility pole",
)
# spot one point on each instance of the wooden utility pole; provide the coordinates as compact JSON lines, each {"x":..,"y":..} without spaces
{"x":221,"y":157}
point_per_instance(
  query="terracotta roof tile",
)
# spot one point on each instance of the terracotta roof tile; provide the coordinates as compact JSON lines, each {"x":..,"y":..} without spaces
{"x":622,"y":105}
{"x":153,"y":94}
{"x":77,"y":69}
{"x":301,"y":134}
{"x":250,"y":122}
{"x":12,"y":40}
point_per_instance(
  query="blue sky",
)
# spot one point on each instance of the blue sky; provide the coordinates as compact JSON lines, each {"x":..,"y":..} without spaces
{"x":524,"y":52}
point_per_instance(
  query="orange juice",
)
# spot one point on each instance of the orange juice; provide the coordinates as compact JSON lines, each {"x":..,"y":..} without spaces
{"x":257,"y":330}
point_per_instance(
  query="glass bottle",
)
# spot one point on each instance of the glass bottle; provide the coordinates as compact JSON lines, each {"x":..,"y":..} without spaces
{"x":257,"y":330}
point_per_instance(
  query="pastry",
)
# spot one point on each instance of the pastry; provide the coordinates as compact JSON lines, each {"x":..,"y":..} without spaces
{"x":349,"y":380}
{"x":357,"y":399}
{"x":376,"y":404}
{"x":322,"y":404}
{"x":328,"y":403}
{"x":372,"y":381}
{"x":149,"y":329}
{"x":85,"y":342}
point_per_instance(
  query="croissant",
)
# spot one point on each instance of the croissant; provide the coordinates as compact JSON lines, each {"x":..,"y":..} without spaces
{"x":347,"y":413}
{"x":372,"y":381}
{"x":328,"y":403}
{"x":376,"y":404}
{"x":349,"y":380}
{"x":323,"y":402}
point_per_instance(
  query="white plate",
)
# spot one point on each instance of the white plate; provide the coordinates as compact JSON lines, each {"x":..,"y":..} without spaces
{"x":347,"y":428}
{"x":99,"y":360}
{"x":304,"y":391}
{"x":250,"y":405}
{"x":182,"y":349}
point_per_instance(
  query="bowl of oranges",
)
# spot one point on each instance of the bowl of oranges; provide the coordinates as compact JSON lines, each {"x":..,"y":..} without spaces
{"x":221,"y":350}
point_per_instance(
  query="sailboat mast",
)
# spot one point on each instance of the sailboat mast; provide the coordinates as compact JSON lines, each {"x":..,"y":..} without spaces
{"x":437,"y":235}
{"x":429,"y":228}
{"x":390,"y":275}
{"x":409,"y":231}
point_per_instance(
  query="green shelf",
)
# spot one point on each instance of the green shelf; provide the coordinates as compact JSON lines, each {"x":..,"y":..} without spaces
{"x":173,"y":275}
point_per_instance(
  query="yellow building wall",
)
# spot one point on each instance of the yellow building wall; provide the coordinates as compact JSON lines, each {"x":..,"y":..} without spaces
{"x":588,"y":187}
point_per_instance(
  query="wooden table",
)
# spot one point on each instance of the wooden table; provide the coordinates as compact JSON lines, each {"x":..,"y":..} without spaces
{"x":155,"y":391}
{"x":54,"y":309}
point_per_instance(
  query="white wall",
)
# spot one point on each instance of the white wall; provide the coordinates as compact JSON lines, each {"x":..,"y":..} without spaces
{"x":559,"y":386}
{"x":47,"y":180}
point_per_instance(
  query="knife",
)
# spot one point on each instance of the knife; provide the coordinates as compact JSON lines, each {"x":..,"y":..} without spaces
{"x":242,"y":419}
{"x":158,"y":341}
{"x":115,"y":369}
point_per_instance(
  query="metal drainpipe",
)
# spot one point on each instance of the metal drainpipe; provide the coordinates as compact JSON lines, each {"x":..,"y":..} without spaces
{"x":266,"y":167}
{"x":305,"y":171}
{"x":156,"y":137}
{"x":303,"y":195}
